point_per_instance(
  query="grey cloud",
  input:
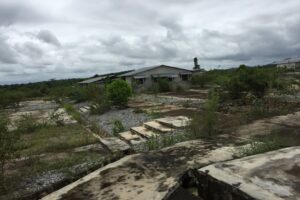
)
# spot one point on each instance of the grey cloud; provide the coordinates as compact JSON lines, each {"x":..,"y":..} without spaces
{"x":16,"y":12}
{"x":7,"y":55}
{"x":48,"y":37}
{"x":30,"y":49}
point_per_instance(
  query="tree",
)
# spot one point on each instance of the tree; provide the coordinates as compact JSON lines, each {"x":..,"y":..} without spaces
{"x":118,"y":93}
{"x":8,"y":142}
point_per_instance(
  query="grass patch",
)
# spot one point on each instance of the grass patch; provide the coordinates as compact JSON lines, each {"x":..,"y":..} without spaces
{"x":54,"y":139}
{"x":259,"y":145}
{"x":154,"y":115}
{"x":162,"y":141}
{"x":74,"y":113}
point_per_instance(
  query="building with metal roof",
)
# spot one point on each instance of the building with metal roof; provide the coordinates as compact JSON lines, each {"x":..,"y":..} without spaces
{"x":288,"y":63}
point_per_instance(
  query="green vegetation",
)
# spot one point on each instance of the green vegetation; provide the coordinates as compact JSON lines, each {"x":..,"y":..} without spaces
{"x":8,"y":141}
{"x":117,"y":127}
{"x":163,"y":85}
{"x":74,"y":113}
{"x":27,"y":124}
{"x":118,"y":93}
{"x":258,"y":146}
{"x":101,"y":106}
{"x":166,"y":140}
{"x":54,"y":139}
{"x":204,"y":125}
{"x":11,"y":95}
{"x":241,"y":80}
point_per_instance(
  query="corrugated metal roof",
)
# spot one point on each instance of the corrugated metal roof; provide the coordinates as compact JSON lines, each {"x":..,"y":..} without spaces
{"x":147,"y":69}
{"x":92,"y":80}
{"x":103,"y":76}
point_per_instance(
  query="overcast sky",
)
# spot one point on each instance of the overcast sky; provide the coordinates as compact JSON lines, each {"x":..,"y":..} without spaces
{"x":44,"y":39}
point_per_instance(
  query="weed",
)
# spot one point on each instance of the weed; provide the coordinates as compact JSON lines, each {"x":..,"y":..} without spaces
{"x":154,"y":115}
{"x":258,"y":146}
{"x":27,"y":124}
{"x":117,"y":127}
{"x":187,"y":104}
{"x":74,"y":113}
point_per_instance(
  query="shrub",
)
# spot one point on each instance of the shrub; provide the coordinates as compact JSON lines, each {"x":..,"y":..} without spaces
{"x":118,"y":93}
{"x":27,"y":124}
{"x":101,"y":106}
{"x":8,"y":145}
{"x":163,"y":85}
{"x":257,"y":146}
{"x":204,"y":125}
{"x":179,"y":88}
{"x":117,"y":127}
{"x":255,"y":80}
{"x":74,"y":113}
{"x":210,"y":115}
{"x":200,"y":80}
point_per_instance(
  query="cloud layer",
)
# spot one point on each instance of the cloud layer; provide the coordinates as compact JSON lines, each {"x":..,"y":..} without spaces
{"x":47,"y":39}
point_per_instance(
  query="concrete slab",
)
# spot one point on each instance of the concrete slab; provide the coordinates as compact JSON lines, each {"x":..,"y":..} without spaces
{"x":175,"y":122}
{"x":152,"y":175}
{"x":153,"y":125}
{"x":266,"y":126}
{"x":144,"y":132}
{"x":128,"y":135}
{"x":273,"y":175}
{"x":114,"y":144}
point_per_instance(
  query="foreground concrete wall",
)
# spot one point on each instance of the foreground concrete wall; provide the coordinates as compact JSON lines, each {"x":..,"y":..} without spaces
{"x":269,"y":176}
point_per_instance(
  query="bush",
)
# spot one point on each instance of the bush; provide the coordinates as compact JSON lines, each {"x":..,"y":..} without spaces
{"x":74,"y":113}
{"x":27,"y":124}
{"x":254,"y":80}
{"x":8,"y":145}
{"x":257,"y":146}
{"x":10,"y":98}
{"x":117,"y":127}
{"x":163,"y":85}
{"x":179,"y":88}
{"x":101,"y":106}
{"x":200,"y":80}
{"x":204,"y":125}
{"x":118,"y":93}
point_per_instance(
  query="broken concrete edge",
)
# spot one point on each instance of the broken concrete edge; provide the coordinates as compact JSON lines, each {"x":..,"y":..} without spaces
{"x":58,"y":194}
{"x":41,"y":192}
{"x":235,"y":182}
{"x":193,"y":155}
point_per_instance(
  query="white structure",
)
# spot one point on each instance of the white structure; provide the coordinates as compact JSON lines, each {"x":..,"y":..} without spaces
{"x":289,"y":63}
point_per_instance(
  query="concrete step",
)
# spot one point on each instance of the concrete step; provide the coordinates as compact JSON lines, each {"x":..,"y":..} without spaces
{"x":136,"y":142}
{"x":131,"y":137}
{"x":156,"y":126}
{"x":143,"y":131}
{"x":115,"y":144}
{"x":174,"y":122}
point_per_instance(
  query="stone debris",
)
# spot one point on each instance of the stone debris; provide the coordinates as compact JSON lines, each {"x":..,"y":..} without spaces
{"x":273,"y":175}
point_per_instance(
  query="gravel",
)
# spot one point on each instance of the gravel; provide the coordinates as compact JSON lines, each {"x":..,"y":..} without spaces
{"x":126,"y":116}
